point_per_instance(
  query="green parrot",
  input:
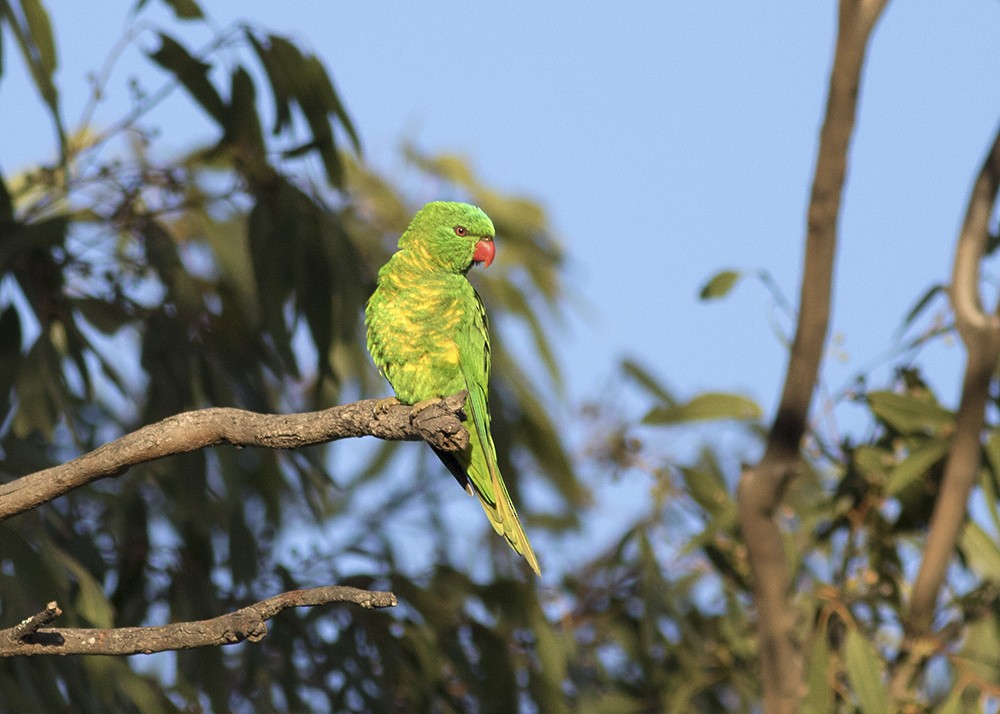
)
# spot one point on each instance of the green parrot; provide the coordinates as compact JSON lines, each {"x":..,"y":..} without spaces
{"x":428,"y":335}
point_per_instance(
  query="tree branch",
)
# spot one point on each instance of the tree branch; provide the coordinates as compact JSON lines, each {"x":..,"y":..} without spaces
{"x":980,"y":332}
{"x":248,"y":623}
{"x":438,"y":423}
{"x":761,"y":487}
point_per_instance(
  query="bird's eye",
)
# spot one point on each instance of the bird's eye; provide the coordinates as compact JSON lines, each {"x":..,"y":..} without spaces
{"x":461,"y":231}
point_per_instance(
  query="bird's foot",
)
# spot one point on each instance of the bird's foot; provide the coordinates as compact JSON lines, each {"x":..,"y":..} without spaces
{"x":384,"y":405}
{"x":423,"y":404}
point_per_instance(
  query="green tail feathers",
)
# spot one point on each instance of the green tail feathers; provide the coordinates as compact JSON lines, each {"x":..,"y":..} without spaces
{"x":490,"y":489}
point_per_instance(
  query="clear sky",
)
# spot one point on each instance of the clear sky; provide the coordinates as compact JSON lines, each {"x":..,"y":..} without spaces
{"x":668,"y":140}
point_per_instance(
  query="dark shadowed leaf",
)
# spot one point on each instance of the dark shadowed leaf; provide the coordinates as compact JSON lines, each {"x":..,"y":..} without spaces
{"x":192,"y":74}
{"x":916,"y":465}
{"x":281,"y":86}
{"x":185,"y":9}
{"x":6,"y":204}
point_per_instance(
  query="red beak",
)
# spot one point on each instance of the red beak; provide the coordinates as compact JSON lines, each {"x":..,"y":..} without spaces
{"x":485,"y":252}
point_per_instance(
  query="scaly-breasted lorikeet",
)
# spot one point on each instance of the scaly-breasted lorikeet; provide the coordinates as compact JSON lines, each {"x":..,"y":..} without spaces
{"x":427,"y":333}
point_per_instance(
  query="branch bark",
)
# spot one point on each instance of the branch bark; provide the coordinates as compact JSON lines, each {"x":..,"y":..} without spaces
{"x":438,"y":423}
{"x":761,"y":487}
{"x":980,"y":332}
{"x":249,"y":623}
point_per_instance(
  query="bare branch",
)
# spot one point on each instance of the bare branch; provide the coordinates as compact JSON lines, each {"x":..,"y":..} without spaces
{"x":761,"y":487}
{"x":438,"y":423}
{"x":980,"y":332}
{"x":248,"y":623}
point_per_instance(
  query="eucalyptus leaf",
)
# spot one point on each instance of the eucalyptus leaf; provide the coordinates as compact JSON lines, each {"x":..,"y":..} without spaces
{"x":864,"y":669}
{"x":719,"y":285}
{"x":710,"y":406}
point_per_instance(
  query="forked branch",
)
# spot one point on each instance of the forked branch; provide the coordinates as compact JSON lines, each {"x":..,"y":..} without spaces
{"x":762,"y":486}
{"x":249,"y":623}
{"x":980,"y":332}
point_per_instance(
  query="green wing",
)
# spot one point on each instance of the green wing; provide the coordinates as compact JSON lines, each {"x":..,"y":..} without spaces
{"x":482,"y":470}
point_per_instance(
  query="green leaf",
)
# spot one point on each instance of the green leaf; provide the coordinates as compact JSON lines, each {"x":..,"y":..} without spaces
{"x":955,"y":703}
{"x":819,"y":699}
{"x":40,"y":29}
{"x":281,"y":88}
{"x":192,"y":74}
{"x":6,"y":203}
{"x":980,"y":651}
{"x":709,"y":406}
{"x":918,"y":463}
{"x":38,"y":49}
{"x":91,"y":603}
{"x":864,"y":669}
{"x":911,"y":414}
{"x":708,"y":490}
{"x":719,"y":285}
{"x":981,"y":551}
{"x":185,"y":9}
{"x":921,"y":305}
{"x":273,"y":237}
{"x":638,"y":374}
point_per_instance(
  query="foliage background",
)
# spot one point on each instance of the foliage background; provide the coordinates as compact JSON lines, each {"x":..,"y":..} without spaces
{"x":138,"y":281}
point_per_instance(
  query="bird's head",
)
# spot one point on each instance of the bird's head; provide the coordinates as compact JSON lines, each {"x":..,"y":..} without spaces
{"x":452,"y":235}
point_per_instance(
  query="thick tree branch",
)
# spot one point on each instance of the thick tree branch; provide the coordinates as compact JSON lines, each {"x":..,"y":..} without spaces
{"x":980,"y":331}
{"x":248,"y":623}
{"x":438,"y":423}
{"x":761,"y":487}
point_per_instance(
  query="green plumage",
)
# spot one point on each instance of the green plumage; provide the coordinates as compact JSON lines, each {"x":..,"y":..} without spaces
{"x":427,"y":332}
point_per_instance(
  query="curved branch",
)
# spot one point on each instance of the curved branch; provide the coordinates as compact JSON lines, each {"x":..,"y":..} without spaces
{"x":248,"y":623}
{"x":438,"y":423}
{"x":980,"y":332}
{"x":761,"y":487}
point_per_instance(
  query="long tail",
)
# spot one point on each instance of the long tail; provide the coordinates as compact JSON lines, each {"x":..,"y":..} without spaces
{"x":484,"y":477}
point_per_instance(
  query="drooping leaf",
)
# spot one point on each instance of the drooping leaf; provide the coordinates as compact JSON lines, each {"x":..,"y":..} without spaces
{"x":980,"y":550}
{"x":918,"y":463}
{"x":192,"y":73}
{"x":638,"y":374}
{"x":819,"y":697}
{"x":91,"y":603}
{"x":980,"y":650}
{"x":921,"y":305}
{"x":709,"y":406}
{"x":281,"y":87}
{"x":40,"y":29}
{"x":719,"y":285}
{"x":6,"y":204}
{"x":864,"y":669}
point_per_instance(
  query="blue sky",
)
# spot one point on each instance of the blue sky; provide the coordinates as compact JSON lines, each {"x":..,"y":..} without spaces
{"x":668,"y":140}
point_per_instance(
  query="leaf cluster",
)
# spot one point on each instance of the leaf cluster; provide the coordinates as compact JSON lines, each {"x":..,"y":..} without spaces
{"x":134,"y":286}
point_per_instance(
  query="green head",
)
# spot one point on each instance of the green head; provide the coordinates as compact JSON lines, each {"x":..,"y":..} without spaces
{"x":452,"y":235}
